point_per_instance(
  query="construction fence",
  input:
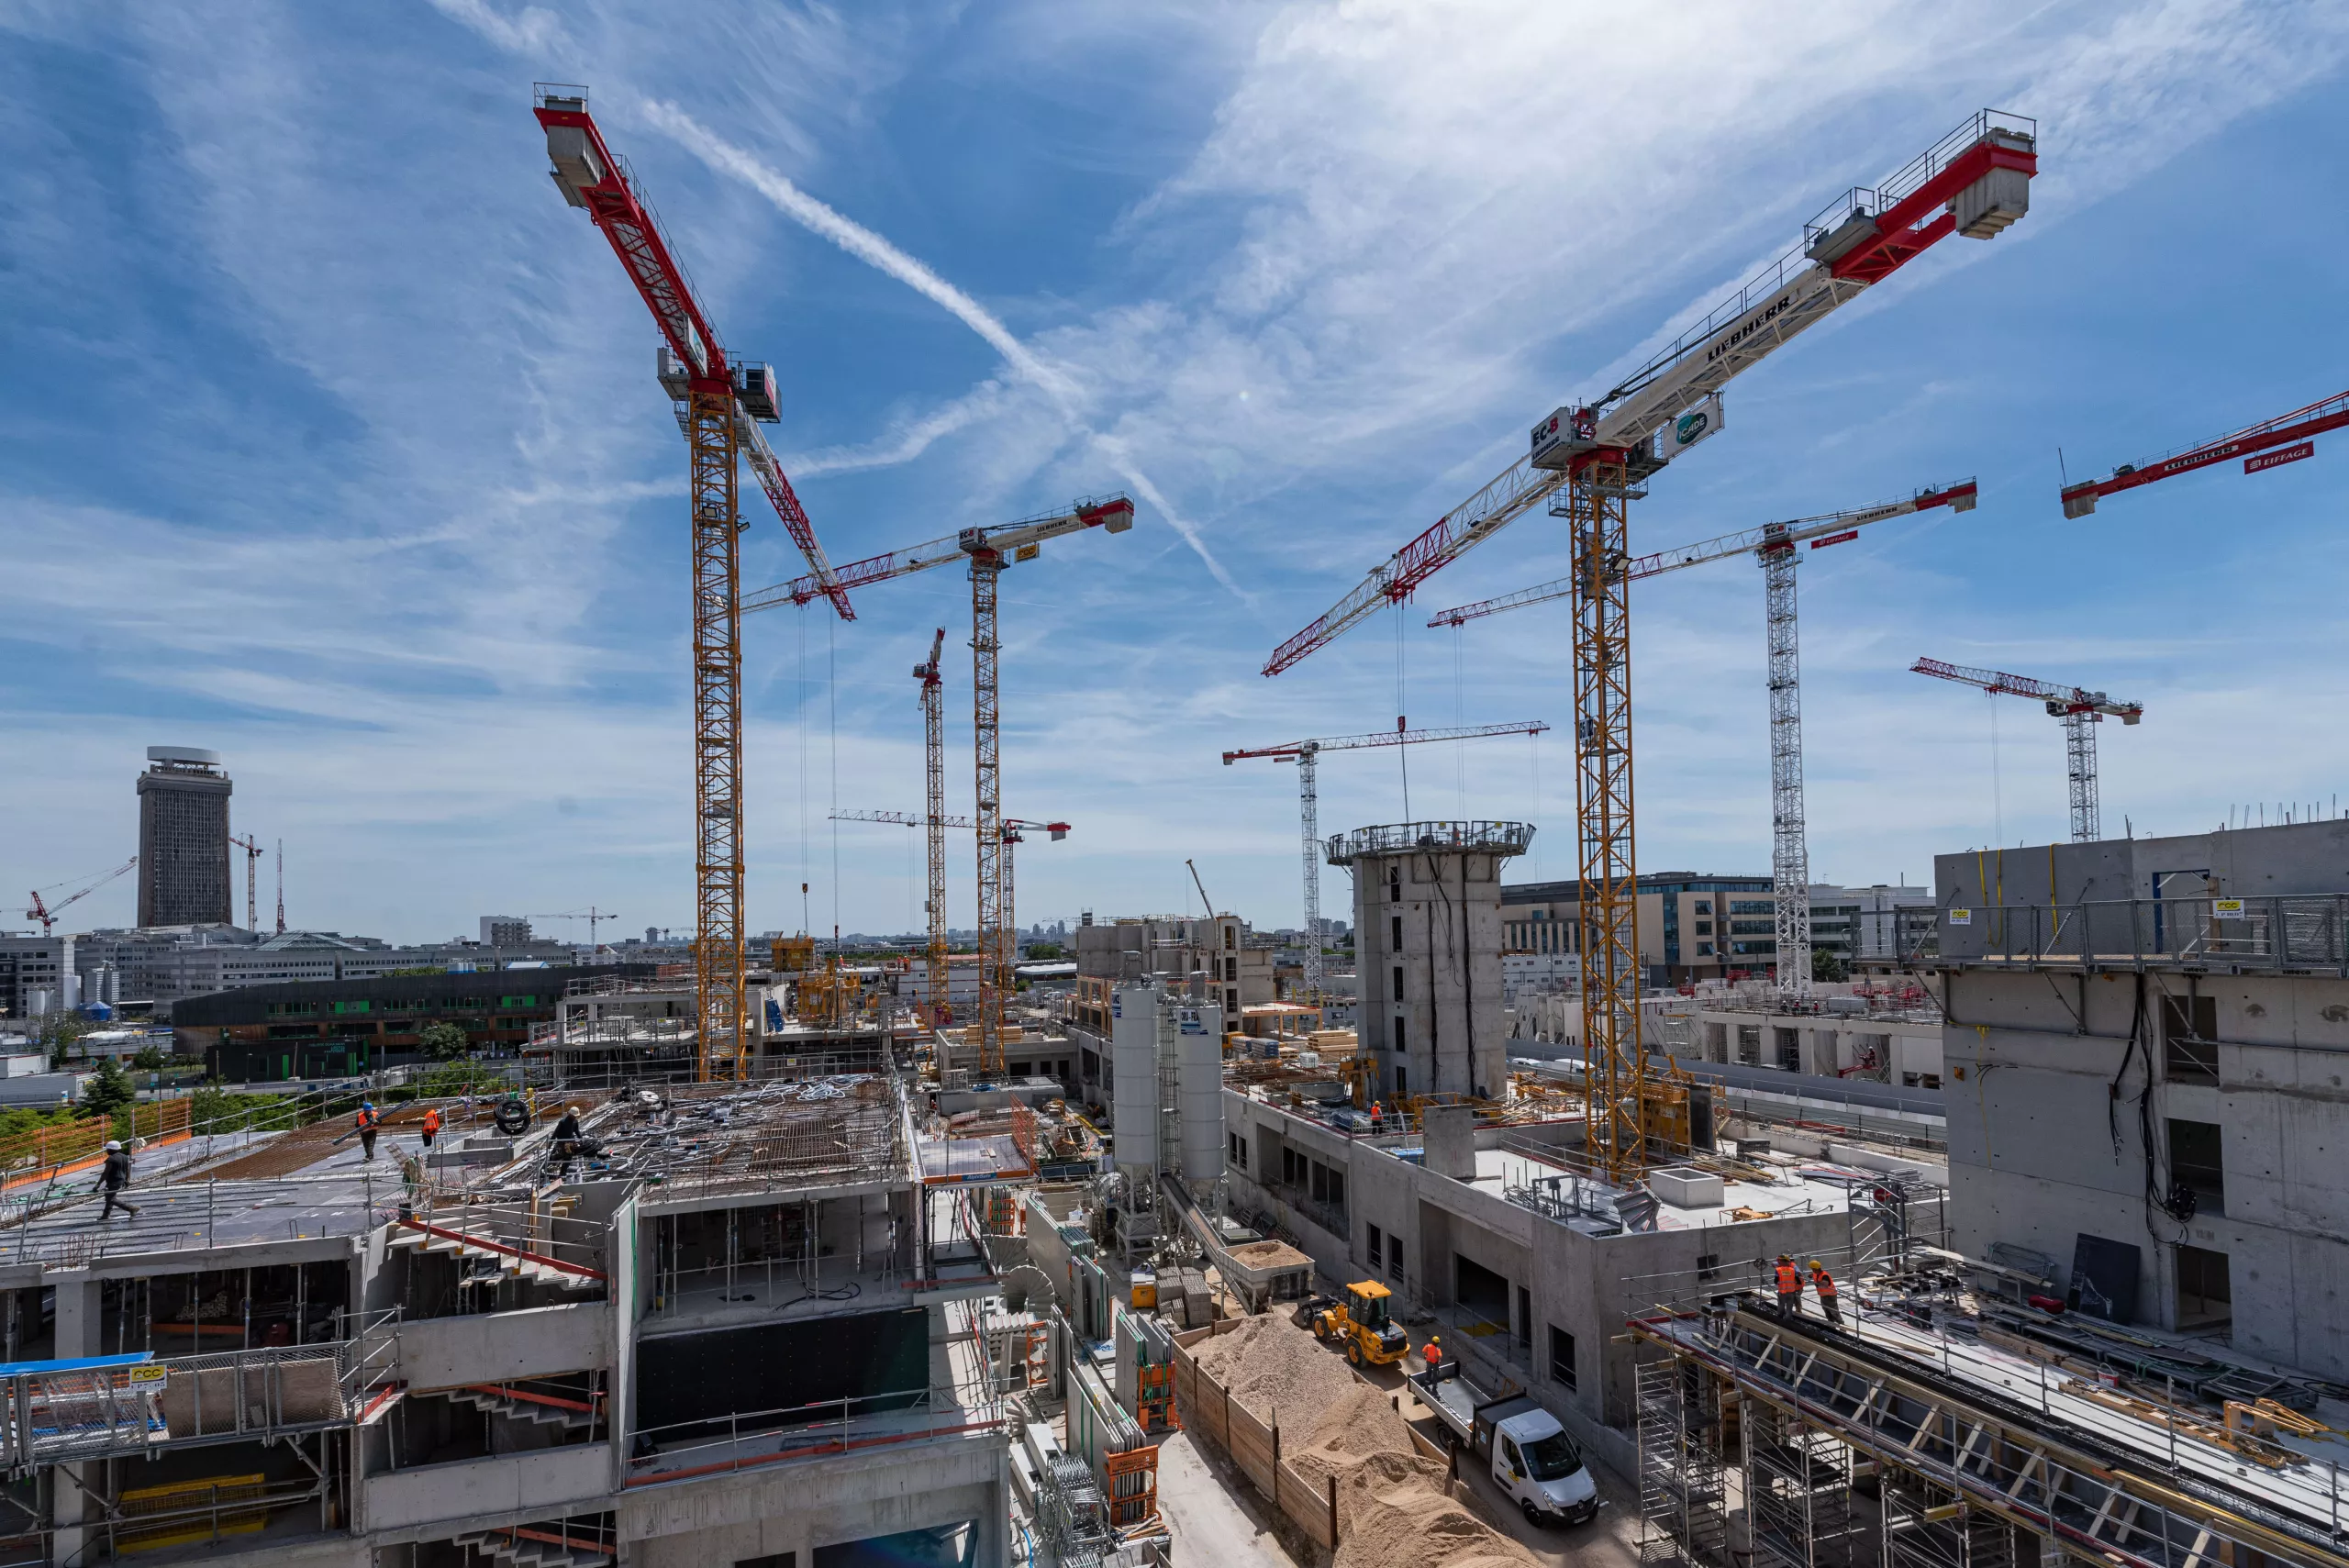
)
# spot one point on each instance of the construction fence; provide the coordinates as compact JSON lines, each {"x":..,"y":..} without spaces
{"x":1253,"y":1446}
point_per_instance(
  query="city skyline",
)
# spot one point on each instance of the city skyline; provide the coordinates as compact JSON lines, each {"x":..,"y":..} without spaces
{"x":410,"y":526}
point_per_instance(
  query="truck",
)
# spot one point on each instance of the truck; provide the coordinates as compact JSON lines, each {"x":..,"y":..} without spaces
{"x":1534,"y":1463}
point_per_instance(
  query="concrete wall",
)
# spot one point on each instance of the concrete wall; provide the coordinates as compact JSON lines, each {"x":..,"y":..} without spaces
{"x":552,"y":1478}
{"x":1450,"y":1011}
{"x":2042,"y":1148}
{"x":487,"y":1347}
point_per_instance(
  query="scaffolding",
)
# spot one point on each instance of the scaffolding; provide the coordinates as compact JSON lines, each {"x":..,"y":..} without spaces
{"x":1683,"y":1498}
{"x":1962,"y":1471}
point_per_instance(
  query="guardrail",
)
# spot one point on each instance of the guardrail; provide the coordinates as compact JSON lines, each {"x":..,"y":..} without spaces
{"x":2295,"y":933}
{"x":754,"y":1439}
{"x":54,"y":1412}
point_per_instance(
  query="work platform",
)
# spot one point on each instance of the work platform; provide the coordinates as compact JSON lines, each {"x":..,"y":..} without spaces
{"x":1928,"y":1444}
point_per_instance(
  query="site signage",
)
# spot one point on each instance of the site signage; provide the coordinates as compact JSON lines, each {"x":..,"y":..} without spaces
{"x":2279,"y":457}
{"x":2226,"y":908}
{"x":1961,"y":917}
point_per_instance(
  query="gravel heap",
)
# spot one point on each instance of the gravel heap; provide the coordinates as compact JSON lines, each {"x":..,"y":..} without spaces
{"x":1394,"y":1508}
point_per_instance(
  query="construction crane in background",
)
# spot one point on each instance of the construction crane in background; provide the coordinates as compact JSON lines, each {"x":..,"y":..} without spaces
{"x":280,"y":887}
{"x":46,"y":914}
{"x":930,"y":672}
{"x":1588,"y":461}
{"x":1306,"y":754}
{"x":252,"y":899}
{"x":2271,"y":443}
{"x":1205,"y":902}
{"x":1773,"y":547}
{"x":593,"y":915}
{"x":989,"y":550}
{"x":2078,"y":709}
{"x":719,"y":404}
{"x":1013,"y":831}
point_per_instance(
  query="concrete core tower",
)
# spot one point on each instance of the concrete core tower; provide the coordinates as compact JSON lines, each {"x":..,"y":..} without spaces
{"x":1427,"y":943}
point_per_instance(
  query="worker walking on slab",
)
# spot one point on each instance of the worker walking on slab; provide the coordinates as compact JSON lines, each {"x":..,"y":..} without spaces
{"x":112,"y":1179}
{"x":431,"y":1125}
{"x":1824,"y":1282}
{"x":1789,"y":1286}
{"x":368,"y":1126}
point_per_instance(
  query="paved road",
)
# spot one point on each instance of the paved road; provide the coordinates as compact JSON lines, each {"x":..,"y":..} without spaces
{"x":1212,"y":1511}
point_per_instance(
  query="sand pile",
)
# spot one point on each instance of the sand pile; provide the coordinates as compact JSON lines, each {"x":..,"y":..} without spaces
{"x":1394,"y":1510}
{"x":1272,"y":1368}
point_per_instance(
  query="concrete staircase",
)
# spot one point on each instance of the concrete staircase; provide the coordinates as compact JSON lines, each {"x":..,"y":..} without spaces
{"x":517,"y":1409}
{"x":524,"y":1548}
{"x":459,"y":1239}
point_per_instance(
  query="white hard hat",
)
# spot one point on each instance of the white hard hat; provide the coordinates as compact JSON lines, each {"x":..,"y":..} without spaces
{"x":112,"y":1147}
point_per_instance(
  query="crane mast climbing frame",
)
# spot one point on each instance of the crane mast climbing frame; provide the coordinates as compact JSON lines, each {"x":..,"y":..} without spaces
{"x":1590,"y":461}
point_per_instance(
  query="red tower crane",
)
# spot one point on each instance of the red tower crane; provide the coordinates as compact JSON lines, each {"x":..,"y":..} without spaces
{"x":989,"y":551}
{"x":2271,"y":443}
{"x":46,"y":914}
{"x":1588,"y":461}
{"x":2077,"y":709}
{"x":719,"y":402}
{"x":1304,"y":755}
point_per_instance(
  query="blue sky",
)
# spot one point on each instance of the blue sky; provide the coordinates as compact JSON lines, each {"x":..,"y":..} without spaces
{"x":331,"y":439}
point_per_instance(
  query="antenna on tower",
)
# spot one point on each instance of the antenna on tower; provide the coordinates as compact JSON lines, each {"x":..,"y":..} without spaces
{"x":280,"y":887}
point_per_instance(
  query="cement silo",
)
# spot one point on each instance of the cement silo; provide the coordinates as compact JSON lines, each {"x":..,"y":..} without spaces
{"x":1199,"y":1094}
{"x":1133,"y":1071}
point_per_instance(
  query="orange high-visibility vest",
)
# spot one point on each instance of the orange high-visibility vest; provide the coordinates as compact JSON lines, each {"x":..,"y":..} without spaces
{"x":1789,"y":1280}
{"x":1823,"y":1281}
{"x":432,"y":1120}
{"x":366,"y":1118}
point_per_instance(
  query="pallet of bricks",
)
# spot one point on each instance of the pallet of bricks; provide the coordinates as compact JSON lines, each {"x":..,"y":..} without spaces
{"x":1329,"y":1449}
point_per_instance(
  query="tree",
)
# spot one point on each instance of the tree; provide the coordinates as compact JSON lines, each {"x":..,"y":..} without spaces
{"x":108,"y":1089}
{"x":59,"y":1034}
{"x":150,"y":1058}
{"x":443,"y":1040}
{"x":1044,"y":951}
{"x":1825,"y":965}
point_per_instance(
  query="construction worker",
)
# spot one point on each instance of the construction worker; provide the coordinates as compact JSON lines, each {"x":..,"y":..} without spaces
{"x":1790,"y":1285}
{"x":113,"y":1178}
{"x":1824,"y":1282}
{"x":368,"y":1125}
{"x":431,"y":1124}
{"x":564,"y":1145}
{"x":1431,"y":1353}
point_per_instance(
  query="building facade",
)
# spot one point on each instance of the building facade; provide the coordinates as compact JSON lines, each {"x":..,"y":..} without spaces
{"x":166,"y":965}
{"x":329,"y":1028}
{"x":34,"y":973}
{"x":2146,"y":1045}
{"x":1696,"y":926}
{"x":1427,"y":918}
{"x":184,"y":839}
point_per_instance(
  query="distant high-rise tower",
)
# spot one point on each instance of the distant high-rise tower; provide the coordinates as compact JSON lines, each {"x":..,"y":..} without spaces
{"x":183,"y":839}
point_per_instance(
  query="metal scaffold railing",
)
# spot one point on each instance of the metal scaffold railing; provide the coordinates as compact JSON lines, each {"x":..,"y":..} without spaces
{"x":57,"y":1411}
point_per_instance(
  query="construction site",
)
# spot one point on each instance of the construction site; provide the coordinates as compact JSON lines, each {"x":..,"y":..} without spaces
{"x":2019,"y":1244}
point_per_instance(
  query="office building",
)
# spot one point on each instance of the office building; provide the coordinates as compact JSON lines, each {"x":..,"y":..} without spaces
{"x":504,"y":931}
{"x":184,"y":839}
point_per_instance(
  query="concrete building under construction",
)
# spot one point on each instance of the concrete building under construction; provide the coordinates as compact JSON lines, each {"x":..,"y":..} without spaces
{"x":727,"y":1326}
